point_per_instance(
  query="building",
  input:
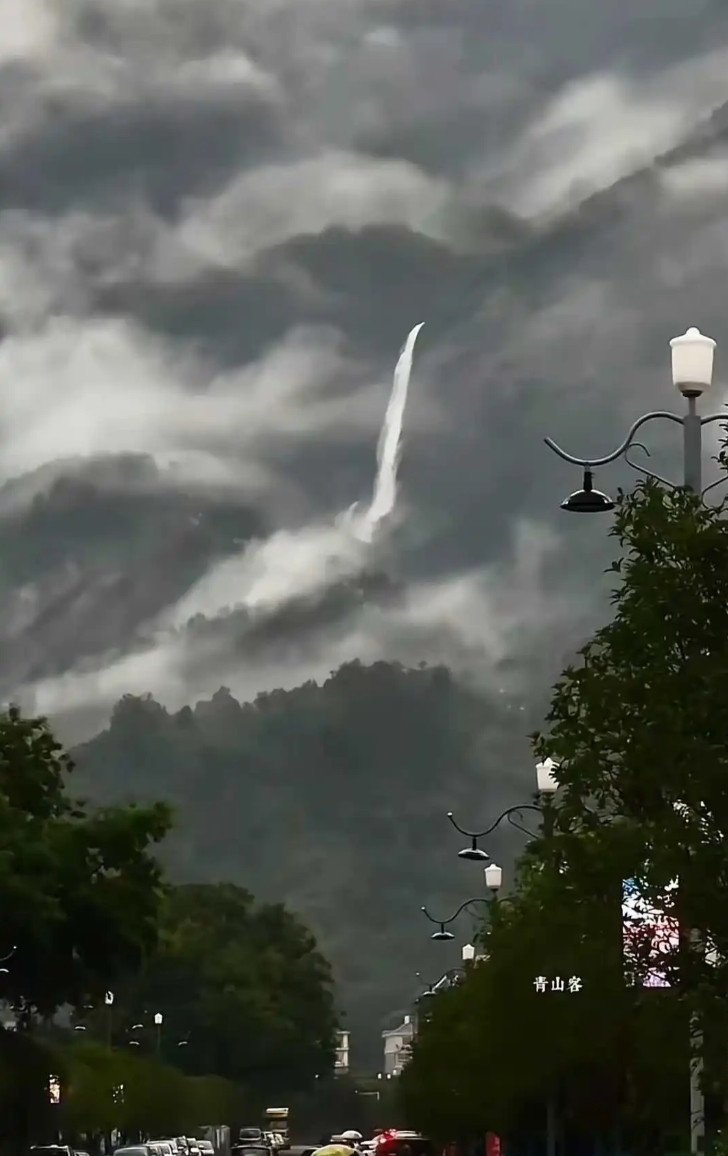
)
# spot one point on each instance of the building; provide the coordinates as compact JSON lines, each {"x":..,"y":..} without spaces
{"x":341,"y":1063}
{"x":398,"y":1046}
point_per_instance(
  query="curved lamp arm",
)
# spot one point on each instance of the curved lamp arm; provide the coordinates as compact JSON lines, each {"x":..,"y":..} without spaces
{"x":461,"y":908}
{"x":506,"y":814}
{"x":451,"y":973}
{"x":587,"y":463}
{"x":643,"y":469}
{"x":518,"y":827}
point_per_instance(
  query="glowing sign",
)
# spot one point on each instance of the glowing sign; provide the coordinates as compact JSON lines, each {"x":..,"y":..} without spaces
{"x":648,"y":934}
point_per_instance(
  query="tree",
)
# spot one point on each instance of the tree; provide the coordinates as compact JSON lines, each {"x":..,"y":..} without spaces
{"x":79,"y":889}
{"x":26,"y":1112}
{"x":493,"y":1051}
{"x":245,"y":985}
{"x":94,"y":1090}
{"x":640,"y":729}
{"x":109,"y":1088}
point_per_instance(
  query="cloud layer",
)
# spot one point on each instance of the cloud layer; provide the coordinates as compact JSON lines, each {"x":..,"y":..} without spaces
{"x":219,"y":220}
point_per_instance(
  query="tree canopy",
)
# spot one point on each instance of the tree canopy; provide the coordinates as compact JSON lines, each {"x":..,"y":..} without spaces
{"x":79,"y":889}
{"x":243,"y":989}
{"x":639,"y":728}
{"x":492,"y":1051}
{"x":105,"y":1089}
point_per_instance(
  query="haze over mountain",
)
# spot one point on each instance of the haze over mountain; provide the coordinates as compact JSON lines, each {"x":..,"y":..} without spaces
{"x":218,"y":221}
{"x":333,"y":797}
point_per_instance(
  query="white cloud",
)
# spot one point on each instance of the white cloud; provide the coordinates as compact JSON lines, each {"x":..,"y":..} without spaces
{"x":29,"y":29}
{"x":602,"y":127}
{"x":108,"y":386}
{"x":476,"y":621}
{"x":277,"y":202}
{"x":696,"y":180}
{"x":289,"y":564}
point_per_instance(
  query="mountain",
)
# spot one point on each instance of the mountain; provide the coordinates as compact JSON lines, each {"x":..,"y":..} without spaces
{"x":332,"y":798}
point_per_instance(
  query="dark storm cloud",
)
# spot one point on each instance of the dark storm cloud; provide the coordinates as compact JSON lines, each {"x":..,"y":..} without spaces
{"x":226,"y":217}
{"x":162,"y":154}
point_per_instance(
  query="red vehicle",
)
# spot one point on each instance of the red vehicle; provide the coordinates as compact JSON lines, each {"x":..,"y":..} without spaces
{"x":398,"y":1143}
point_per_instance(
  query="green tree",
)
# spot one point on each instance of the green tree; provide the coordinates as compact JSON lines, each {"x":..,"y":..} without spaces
{"x":494,"y":1051}
{"x":112,"y":1088}
{"x":79,"y":889}
{"x":244,"y":984}
{"x":26,"y":1113}
{"x":640,"y":729}
{"x":93,"y":1093}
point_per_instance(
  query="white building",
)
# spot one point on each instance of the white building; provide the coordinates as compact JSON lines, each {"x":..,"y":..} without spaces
{"x":397,"y":1045}
{"x":341,"y":1063}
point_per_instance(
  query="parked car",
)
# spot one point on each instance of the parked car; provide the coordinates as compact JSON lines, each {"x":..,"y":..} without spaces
{"x":251,"y":1135}
{"x":400,"y":1143}
{"x":135,"y":1150}
{"x":207,"y":1148}
{"x":164,"y":1147}
{"x":192,"y":1146}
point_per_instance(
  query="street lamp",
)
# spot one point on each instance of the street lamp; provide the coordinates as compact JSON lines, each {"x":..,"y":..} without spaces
{"x":109,"y":1004}
{"x":158,"y":1021}
{"x":692,"y":375}
{"x":546,"y":783}
{"x":493,"y":880}
{"x":451,"y":977}
{"x":546,"y":780}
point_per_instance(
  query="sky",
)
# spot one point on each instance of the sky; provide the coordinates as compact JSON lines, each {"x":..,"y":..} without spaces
{"x":219,"y":219}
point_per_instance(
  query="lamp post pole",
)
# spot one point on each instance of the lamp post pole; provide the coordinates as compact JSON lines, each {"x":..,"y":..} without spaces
{"x":109,"y":1004}
{"x":692,"y":375}
{"x":158,"y":1020}
{"x":546,"y":785}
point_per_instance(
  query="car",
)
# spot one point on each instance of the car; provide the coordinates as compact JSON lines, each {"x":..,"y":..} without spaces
{"x":401,"y":1143}
{"x":163,"y":1147}
{"x":192,"y":1146}
{"x":135,"y":1150}
{"x":207,"y":1148}
{"x":251,"y":1135}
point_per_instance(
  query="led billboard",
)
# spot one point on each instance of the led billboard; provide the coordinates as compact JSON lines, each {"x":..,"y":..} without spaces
{"x":648,"y":934}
